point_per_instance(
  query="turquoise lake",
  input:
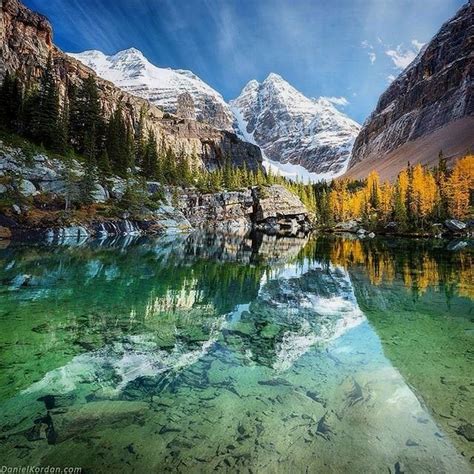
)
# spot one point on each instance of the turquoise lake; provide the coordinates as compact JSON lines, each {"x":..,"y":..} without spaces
{"x":218,"y":353}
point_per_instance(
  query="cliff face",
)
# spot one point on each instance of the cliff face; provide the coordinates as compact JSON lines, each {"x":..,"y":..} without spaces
{"x":26,"y":43}
{"x":429,"y":107}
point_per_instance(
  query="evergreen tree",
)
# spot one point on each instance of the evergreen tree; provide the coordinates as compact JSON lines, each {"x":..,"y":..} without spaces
{"x":150,"y":167}
{"x":11,"y":101}
{"x":103,"y":165}
{"x":119,"y":144}
{"x":87,"y":185}
{"x":86,"y":122}
{"x":46,"y":117}
{"x":140,"y":141}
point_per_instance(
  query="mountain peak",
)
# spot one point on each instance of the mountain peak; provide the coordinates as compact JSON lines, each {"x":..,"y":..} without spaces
{"x":294,"y":131}
{"x":274,"y":77}
{"x":130,"y":55}
{"x":132,"y":71}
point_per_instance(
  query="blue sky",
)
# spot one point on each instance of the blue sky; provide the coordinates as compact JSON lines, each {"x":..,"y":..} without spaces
{"x":347,"y":49}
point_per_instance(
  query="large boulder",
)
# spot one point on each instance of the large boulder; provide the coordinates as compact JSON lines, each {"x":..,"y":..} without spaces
{"x":347,"y":226}
{"x":277,"y":202}
{"x":27,"y":188}
{"x":100,"y":194}
{"x":171,"y":220}
{"x":454,"y":225}
{"x":225,"y":211}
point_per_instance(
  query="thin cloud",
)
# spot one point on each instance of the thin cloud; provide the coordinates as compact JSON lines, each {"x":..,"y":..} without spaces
{"x":340,"y":101}
{"x":402,"y":56}
{"x":372,"y":56}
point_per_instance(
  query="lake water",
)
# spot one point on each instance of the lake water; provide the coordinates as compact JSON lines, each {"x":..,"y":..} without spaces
{"x":203,"y":353}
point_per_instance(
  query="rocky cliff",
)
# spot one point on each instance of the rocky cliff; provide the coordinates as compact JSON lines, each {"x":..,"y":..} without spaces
{"x":429,"y":107}
{"x":26,"y":43}
{"x":272,"y":209}
{"x":34,"y":189}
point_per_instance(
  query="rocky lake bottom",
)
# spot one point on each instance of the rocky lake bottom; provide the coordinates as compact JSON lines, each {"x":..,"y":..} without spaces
{"x":209,"y":352}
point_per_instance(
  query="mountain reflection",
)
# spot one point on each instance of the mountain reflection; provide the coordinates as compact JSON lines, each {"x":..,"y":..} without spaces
{"x":278,"y":347}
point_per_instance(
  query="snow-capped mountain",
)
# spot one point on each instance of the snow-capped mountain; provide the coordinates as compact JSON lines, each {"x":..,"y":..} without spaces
{"x":132,"y":72}
{"x":301,"y":137}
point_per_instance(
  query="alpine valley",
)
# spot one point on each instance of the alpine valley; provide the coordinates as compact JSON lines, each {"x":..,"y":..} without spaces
{"x":300,"y":137}
{"x":194,"y":284}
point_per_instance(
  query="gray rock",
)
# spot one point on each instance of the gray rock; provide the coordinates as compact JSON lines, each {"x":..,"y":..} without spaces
{"x":117,"y":188}
{"x":371,"y":235}
{"x":171,"y":220}
{"x":27,"y":188}
{"x":361,"y":231}
{"x":100,"y":194}
{"x":348,"y":226}
{"x":276,"y":201}
{"x":391,"y":226}
{"x":153,"y":187}
{"x":40,"y":158}
{"x":57,"y":186}
{"x":3,"y":189}
{"x":456,"y":245}
{"x":16,"y":209}
{"x":454,"y":225}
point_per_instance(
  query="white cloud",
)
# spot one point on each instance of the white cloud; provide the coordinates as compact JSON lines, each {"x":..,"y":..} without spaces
{"x":390,"y":78}
{"x":372,"y":56}
{"x":341,"y":101}
{"x":417,"y":44}
{"x":403,"y":56}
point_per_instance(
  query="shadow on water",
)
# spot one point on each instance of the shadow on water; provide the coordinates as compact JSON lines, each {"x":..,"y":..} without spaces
{"x":237,"y":353}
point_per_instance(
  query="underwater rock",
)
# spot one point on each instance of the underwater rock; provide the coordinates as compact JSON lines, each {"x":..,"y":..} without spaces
{"x":467,"y":431}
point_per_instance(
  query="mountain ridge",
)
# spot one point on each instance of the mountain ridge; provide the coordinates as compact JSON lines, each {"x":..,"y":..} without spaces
{"x":130,"y":70}
{"x":293,"y":130}
{"x":27,"y":44}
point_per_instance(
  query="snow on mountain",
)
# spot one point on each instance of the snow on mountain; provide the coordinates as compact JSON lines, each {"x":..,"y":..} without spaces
{"x":301,"y":138}
{"x":132,"y":72}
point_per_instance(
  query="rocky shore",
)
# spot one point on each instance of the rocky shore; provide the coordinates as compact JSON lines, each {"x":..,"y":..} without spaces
{"x":34,"y":188}
{"x":448,"y":228}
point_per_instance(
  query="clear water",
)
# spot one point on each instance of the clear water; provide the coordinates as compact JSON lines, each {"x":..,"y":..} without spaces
{"x":209,"y":353}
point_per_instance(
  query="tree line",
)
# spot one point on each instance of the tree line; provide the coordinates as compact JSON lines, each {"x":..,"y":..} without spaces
{"x":418,"y":198}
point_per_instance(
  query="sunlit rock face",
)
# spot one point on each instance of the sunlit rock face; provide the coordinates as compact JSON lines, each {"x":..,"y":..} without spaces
{"x":291,"y":128}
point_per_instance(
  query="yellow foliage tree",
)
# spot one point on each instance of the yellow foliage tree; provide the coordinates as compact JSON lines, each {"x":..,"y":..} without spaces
{"x":459,"y":186}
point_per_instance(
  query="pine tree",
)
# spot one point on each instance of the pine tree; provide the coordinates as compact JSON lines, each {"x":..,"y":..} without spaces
{"x":87,"y":185}
{"x":11,"y":102}
{"x":140,"y":140}
{"x":103,"y":164}
{"x":46,"y":117}
{"x":85,"y":116}
{"x":150,"y":166}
